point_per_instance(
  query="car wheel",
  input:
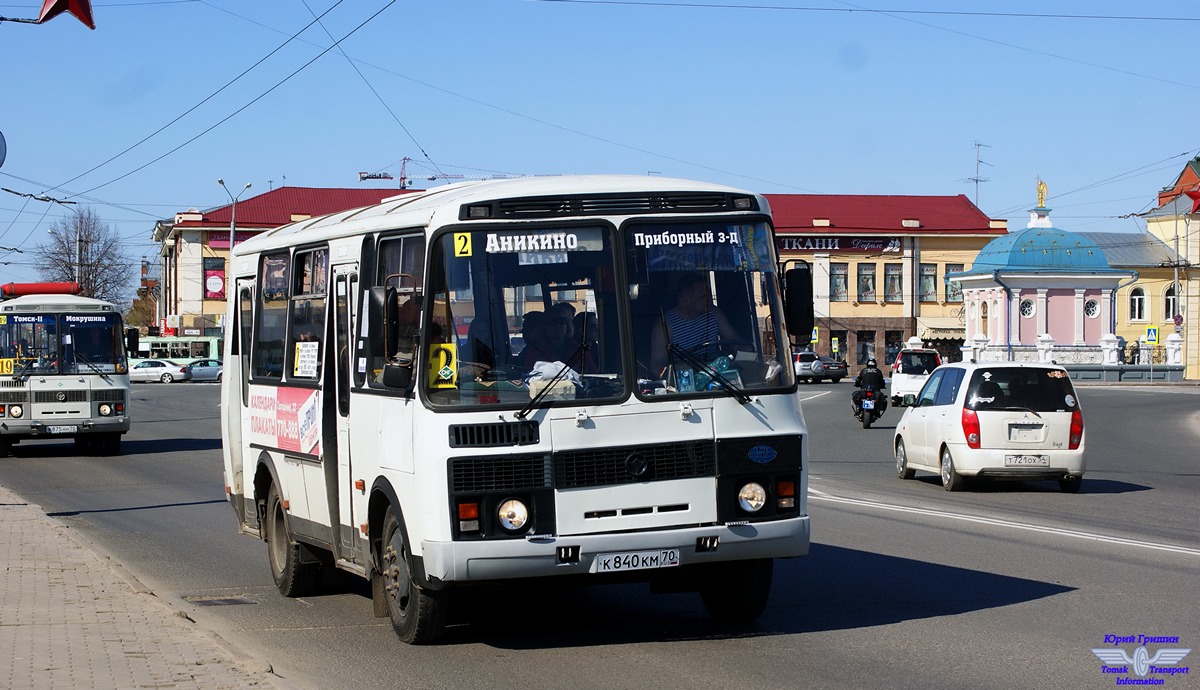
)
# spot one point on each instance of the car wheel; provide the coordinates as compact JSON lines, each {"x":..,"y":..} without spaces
{"x":1070,"y":485}
{"x":418,"y":615}
{"x":219,"y":377}
{"x":951,"y":479}
{"x":736,"y":592}
{"x":292,"y":575}
{"x":835,"y":379}
{"x":166,"y":378}
{"x":902,"y":469}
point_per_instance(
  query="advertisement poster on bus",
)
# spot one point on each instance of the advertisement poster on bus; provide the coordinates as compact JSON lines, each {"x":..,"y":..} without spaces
{"x":286,"y":418}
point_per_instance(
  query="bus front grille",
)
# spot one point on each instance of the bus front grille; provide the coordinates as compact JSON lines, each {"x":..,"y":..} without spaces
{"x":494,"y":434}
{"x":632,"y":464}
{"x":14,"y":396}
{"x":499,"y":473}
{"x":111,"y":395}
{"x":60,"y":396}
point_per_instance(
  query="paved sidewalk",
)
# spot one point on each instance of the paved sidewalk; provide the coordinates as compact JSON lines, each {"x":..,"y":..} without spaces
{"x":71,"y":618}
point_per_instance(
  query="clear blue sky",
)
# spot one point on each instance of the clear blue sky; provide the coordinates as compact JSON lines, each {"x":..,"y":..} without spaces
{"x":771,"y":95}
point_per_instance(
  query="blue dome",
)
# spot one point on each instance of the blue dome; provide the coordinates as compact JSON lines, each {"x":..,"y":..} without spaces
{"x":1040,"y":249}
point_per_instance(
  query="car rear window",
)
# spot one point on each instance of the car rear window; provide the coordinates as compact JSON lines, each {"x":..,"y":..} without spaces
{"x":917,"y":362}
{"x":1040,"y":390}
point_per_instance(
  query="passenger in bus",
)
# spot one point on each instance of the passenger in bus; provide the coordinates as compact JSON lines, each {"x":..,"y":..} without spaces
{"x":587,"y":329}
{"x":693,"y":321}
{"x":548,"y":339}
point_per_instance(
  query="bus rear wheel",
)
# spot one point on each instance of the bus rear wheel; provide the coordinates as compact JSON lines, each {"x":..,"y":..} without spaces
{"x":294,"y":577}
{"x":418,"y":615}
{"x":736,"y":592}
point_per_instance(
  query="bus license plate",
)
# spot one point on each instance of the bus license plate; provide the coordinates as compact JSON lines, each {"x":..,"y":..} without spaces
{"x":1027,"y":460}
{"x":62,"y":429}
{"x":635,"y":560}
{"x":868,"y":404}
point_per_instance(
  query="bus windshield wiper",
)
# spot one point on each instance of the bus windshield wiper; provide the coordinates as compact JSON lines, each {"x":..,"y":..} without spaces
{"x":697,"y":363}
{"x":76,"y":357}
{"x":24,"y":369}
{"x":575,"y":357}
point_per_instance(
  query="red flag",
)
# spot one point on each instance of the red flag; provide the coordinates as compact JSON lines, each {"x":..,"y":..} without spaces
{"x":1195,"y":197}
{"x":82,"y":9}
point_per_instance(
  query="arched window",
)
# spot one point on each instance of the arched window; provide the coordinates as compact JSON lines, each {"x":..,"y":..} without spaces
{"x":983,"y":318}
{"x":1137,"y":304}
{"x":1170,"y":303}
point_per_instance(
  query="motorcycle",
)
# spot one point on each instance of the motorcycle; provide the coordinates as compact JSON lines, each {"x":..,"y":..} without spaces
{"x":870,"y":405}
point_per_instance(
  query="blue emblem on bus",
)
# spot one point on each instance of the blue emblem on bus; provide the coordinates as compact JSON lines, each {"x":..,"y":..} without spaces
{"x":762,"y":454}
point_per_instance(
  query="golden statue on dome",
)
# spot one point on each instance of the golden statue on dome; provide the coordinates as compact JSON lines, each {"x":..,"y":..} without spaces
{"x":1041,"y":192}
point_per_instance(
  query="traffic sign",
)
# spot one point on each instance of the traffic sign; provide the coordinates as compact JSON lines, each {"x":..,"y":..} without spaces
{"x":1179,"y":319}
{"x":1152,"y":335}
{"x":834,"y":345}
{"x":814,"y":335}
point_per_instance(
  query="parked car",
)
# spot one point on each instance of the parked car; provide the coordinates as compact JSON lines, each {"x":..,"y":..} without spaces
{"x":206,"y":369}
{"x":910,"y":371}
{"x":163,"y":370}
{"x":999,"y":420}
{"x":813,"y":367}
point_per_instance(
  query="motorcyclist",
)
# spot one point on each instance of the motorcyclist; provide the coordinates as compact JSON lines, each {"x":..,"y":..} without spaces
{"x":871,"y":375}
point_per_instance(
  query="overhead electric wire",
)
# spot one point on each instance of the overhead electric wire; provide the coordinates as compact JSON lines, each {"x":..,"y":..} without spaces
{"x":248,"y":104}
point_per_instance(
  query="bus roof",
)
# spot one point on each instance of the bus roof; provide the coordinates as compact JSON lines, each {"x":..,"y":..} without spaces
{"x":55,"y":303}
{"x":440,"y":206}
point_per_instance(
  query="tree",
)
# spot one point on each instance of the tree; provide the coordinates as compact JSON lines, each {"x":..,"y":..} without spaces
{"x":87,"y":251}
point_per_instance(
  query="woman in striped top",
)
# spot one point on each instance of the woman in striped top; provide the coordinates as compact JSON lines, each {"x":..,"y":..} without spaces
{"x":694,"y":320}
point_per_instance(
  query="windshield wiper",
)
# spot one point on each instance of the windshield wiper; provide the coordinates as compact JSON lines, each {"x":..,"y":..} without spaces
{"x":1018,"y":408}
{"x":75,"y":356}
{"x":575,"y":356}
{"x":24,"y":369}
{"x":728,"y":386}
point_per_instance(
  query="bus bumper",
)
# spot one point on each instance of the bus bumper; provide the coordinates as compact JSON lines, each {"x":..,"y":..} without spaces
{"x":478,"y":561}
{"x":13,"y":430}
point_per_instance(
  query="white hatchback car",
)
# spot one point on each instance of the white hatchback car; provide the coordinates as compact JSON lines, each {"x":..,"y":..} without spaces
{"x":999,"y":420}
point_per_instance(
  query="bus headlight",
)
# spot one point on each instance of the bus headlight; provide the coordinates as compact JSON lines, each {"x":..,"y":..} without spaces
{"x":752,"y":497}
{"x":513,"y":515}
{"x":15,"y":410}
{"x":105,"y":410}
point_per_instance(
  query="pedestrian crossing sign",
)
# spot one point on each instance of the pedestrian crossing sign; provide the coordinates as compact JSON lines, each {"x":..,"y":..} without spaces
{"x":1152,"y":335}
{"x":814,"y":335}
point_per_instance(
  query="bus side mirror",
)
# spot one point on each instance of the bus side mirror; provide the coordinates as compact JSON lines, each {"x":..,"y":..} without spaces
{"x":798,"y":301}
{"x":131,"y":341}
{"x":382,"y":331}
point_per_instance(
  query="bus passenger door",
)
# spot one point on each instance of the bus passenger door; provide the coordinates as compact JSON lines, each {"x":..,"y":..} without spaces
{"x":345,"y":286}
{"x":235,"y":385}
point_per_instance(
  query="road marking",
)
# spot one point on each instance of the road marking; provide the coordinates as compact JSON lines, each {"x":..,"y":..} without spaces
{"x":997,"y":522}
{"x":814,"y":396}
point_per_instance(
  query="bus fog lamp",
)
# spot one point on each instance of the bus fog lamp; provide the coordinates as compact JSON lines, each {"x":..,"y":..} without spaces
{"x":105,"y":410}
{"x":513,"y":515}
{"x":15,"y":411}
{"x":752,"y":497}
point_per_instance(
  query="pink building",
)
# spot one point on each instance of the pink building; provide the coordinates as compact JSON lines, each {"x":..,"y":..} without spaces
{"x":1040,"y":281}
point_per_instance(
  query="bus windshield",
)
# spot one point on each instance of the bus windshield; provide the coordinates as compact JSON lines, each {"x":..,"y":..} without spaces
{"x":61,"y":344}
{"x":511,"y":310}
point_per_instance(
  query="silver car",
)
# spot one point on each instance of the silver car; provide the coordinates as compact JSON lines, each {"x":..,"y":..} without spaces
{"x":159,"y":370}
{"x":206,"y":369}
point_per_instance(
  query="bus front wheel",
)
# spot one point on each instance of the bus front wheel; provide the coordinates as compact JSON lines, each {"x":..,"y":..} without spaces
{"x":418,"y":615}
{"x":736,"y":592}
{"x":294,"y":577}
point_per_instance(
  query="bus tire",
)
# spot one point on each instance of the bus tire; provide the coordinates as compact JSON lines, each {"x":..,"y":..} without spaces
{"x":736,"y":592}
{"x":293,"y":577}
{"x":418,"y":615}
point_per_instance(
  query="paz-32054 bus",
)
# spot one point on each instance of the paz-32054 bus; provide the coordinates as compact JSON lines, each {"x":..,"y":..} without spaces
{"x":584,"y":376}
{"x":63,"y":369}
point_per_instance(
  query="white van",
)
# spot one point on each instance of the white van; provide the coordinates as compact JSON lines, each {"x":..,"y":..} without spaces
{"x":910,"y":371}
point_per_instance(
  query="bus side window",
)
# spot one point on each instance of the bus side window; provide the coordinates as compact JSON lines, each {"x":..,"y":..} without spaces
{"x":308,"y":315}
{"x":270,"y":326}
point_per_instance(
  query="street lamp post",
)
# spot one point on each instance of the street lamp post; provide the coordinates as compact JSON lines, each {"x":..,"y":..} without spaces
{"x":232,"y":210}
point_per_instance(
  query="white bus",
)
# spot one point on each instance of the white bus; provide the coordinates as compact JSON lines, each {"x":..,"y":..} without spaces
{"x":63,"y":368}
{"x":398,"y":401}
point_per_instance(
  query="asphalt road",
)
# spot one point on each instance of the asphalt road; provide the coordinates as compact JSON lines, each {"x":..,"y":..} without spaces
{"x":907,"y":585}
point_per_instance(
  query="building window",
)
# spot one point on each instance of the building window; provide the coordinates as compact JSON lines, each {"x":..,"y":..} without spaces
{"x":1091,"y":309}
{"x":214,"y":278}
{"x":1137,"y":304}
{"x":1170,"y":304}
{"x":866,"y":282}
{"x":1028,"y":309}
{"x":893,"y":283}
{"x":838,"y":282}
{"x":894,"y":341}
{"x":928,"y":285}
{"x":953,"y":288}
{"x":866,"y":346}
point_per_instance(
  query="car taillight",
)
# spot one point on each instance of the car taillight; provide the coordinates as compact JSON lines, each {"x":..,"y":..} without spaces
{"x":970,"y":425}
{"x":1076,"y":437}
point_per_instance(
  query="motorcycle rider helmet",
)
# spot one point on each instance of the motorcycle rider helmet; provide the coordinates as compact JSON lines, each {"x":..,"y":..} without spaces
{"x":871,"y":362}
